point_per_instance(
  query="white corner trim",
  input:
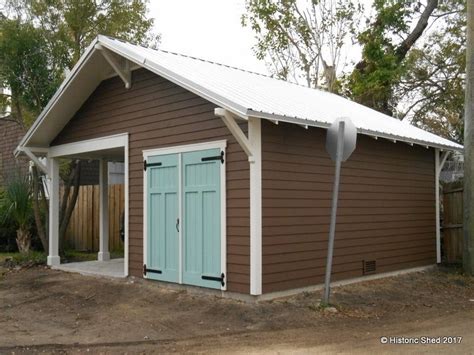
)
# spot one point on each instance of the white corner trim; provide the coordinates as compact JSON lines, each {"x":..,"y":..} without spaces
{"x":255,"y":139}
{"x":439,"y":163}
{"x":126,"y":206}
{"x":252,"y":146}
{"x":89,"y":145}
{"x":437,"y":209}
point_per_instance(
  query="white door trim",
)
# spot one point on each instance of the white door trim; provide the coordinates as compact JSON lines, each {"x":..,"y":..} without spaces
{"x":221,"y":144}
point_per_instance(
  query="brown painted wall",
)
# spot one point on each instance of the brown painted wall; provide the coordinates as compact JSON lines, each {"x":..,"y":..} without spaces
{"x":157,"y":113}
{"x":386,"y":209}
{"x":10,"y":135}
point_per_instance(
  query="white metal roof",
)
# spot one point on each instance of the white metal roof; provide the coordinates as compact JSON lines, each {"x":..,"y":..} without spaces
{"x":251,"y":94}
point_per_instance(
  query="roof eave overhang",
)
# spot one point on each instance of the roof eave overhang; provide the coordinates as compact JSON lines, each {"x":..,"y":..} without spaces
{"x":375,"y":134}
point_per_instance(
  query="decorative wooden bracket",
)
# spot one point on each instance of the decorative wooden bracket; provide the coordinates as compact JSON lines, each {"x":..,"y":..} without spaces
{"x":236,"y":131}
{"x":29,"y":152}
{"x":122,"y":71}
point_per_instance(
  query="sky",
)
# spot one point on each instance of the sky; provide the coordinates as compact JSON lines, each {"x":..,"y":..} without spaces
{"x":208,"y":29}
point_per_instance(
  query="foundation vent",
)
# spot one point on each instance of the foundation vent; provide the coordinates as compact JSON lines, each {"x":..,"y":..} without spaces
{"x":369,"y":267}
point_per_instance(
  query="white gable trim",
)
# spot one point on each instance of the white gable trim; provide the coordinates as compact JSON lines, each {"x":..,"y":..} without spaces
{"x":57,"y":96}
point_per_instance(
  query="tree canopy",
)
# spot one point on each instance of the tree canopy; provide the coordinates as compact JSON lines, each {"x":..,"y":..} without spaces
{"x":411,"y":53}
{"x":41,"y":39}
{"x":303,"y":39}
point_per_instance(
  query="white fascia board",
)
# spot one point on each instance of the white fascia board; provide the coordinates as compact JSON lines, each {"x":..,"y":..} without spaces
{"x":56,"y":97}
{"x":90,"y":145}
{"x":311,"y":123}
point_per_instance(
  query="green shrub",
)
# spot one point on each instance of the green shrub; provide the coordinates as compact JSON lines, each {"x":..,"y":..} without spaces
{"x":16,"y":209}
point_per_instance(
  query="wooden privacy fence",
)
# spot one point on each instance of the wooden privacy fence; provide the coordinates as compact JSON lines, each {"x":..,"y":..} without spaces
{"x":452,"y":224}
{"x":83,"y":230}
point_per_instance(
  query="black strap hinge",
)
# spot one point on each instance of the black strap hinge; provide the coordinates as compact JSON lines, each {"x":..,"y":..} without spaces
{"x":217,"y":157}
{"x":145,"y":270}
{"x":214,"y":278}
{"x":146,"y":165}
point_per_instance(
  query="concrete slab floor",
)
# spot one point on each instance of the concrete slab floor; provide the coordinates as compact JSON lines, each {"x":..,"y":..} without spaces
{"x":110,"y":268}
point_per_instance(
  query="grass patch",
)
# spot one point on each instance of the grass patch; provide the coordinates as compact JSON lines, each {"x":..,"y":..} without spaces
{"x":72,"y":256}
{"x":18,"y":259}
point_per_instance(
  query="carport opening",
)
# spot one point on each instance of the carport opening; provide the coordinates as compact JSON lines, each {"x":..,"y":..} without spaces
{"x":94,"y":241}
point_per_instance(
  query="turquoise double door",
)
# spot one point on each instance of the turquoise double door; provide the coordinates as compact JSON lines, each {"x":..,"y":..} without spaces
{"x":183,"y":218}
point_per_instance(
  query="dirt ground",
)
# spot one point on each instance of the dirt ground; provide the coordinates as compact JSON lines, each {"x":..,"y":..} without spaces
{"x":43,"y":310}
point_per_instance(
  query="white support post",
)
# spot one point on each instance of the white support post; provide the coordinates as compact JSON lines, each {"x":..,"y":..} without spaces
{"x":252,"y":146}
{"x":439,"y":163}
{"x":103,"y":254}
{"x":53,"y":257}
{"x":255,"y":139}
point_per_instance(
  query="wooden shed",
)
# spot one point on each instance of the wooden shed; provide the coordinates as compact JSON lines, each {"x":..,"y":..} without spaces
{"x":227,"y":181}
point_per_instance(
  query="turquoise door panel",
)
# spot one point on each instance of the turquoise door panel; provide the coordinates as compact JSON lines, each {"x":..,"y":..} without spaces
{"x":163,"y":213}
{"x":202,"y":218}
{"x":200,"y":193}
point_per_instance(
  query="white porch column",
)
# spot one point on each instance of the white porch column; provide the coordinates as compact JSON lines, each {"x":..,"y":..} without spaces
{"x":255,"y":140}
{"x":53,"y":257}
{"x":103,"y":254}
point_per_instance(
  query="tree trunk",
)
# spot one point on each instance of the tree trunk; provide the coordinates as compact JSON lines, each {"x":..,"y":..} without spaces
{"x":68,"y":204}
{"x":23,"y":240}
{"x":37,"y":196}
{"x":468,"y":257}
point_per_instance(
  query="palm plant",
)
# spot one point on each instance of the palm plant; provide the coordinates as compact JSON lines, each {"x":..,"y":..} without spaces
{"x":17,"y":209}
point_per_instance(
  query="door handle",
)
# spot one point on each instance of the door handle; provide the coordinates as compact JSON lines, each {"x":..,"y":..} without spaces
{"x":177,"y":225}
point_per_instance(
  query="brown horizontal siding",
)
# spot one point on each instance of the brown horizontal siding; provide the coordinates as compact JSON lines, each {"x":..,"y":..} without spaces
{"x":386,"y":207}
{"x":157,"y":113}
